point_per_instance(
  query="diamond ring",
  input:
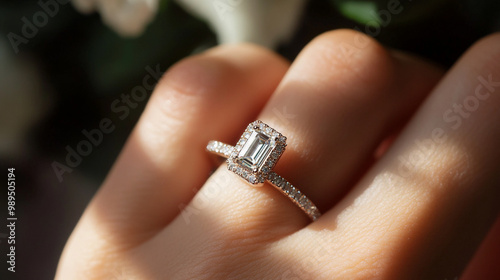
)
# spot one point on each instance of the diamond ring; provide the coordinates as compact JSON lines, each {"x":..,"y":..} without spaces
{"x":254,"y":157}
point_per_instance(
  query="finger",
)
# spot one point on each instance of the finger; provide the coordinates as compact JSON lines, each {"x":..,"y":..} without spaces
{"x":328,"y":93}
{"x":366,"y":97}
{"x":320,"y":89}
{"x":422,"y":210}
{"x":325,"y":94}
{"x":164,"y":160}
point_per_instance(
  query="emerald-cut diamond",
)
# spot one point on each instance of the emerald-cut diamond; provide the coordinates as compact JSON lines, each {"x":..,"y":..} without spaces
{"x":257,"y":151}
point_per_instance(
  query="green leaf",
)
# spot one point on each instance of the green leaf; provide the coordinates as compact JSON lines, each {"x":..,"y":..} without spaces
{"x":364,"y":12}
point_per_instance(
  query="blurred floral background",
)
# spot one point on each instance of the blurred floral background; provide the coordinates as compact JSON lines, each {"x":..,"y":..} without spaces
{"x":65,"y":65}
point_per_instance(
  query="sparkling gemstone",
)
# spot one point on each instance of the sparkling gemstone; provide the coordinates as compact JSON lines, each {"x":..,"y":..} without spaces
{"x":252,"y":179}
{"x":254,"y":154}
{"x":297,"y":195}
{"x":303,"y":199}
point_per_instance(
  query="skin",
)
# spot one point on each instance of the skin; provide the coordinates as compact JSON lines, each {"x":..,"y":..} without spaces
{"x":416,"y":206}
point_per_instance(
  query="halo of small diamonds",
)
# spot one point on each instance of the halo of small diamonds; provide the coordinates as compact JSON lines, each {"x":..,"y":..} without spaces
{"x":276,"y":144}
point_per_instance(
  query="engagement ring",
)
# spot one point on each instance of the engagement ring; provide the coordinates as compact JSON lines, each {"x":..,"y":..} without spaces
{"x":254,"y":157}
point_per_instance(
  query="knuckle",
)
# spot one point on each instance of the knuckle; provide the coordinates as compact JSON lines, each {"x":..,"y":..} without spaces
{"x":194,"y":76}
{"x":186,"y":88}
{"x":485,"y":53}
{"x":357,"y":58}
{"x":219,"y":68}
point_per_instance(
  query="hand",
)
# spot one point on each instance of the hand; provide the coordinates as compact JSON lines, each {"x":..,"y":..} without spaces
{"x":415,"y":207}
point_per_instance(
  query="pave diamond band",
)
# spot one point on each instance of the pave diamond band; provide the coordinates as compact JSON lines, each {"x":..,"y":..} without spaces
{"x":220,"y":149}
{"x":254,"y":157}
{"x":295,"y":195}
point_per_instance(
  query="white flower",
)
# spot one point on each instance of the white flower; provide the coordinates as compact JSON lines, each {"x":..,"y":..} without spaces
{"x":126,"y":17}
{"x":265,"y":22}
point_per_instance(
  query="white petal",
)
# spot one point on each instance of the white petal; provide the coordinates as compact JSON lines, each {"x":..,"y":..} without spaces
{"x":265,"y":22}
{"x":128,"y":17}
{"x":85,"y":6}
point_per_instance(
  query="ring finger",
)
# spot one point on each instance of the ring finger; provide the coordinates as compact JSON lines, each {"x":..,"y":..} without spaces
{"x":325,"y":92}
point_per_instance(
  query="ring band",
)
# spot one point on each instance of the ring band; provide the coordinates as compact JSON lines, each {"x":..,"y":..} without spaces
{"x":254,"y":157}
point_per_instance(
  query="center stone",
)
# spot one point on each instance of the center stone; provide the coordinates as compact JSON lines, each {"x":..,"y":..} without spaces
{"x":256,"y":150}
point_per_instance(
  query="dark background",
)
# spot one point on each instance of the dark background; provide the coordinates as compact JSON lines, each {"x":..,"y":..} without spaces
{"x":66,"y":77}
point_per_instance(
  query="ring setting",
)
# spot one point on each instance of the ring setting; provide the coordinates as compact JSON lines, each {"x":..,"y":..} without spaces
{"x":256,"y":153}
{"x":254,"y":157}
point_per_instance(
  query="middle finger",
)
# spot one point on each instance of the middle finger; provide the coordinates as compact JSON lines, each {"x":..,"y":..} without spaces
{"x":335,"y":107}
